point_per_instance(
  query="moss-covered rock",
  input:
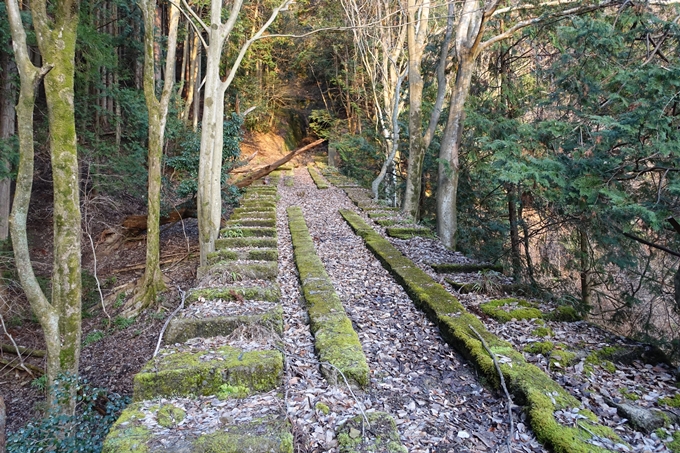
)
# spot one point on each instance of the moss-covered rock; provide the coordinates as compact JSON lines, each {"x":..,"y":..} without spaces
{"x":200,"y":373}
{"x":540,"y":347}
{"x":451,"y":268}
{"x":382,"y":437}
{"x":128,"y":434}
{"x":505,"y":310}
{"x":529,"y":385}
{"x":316,"y":177}
{"x":671,"y":402}
{"x":542,"y":332}
{"x":169,"y":415}
{"x":408,"y":233}
{"x":336,"y":342}
{"x":674,"y":445}
{"x":564,"y":313}
{"x":271,"y":293}
{"x":181,"y":329}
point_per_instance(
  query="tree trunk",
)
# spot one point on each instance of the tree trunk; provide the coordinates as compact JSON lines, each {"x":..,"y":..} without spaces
{"x":152,"y":282}
{"x":514,"y":232}
{"x":3,"y":424}
{"x":676,"y":284}
{"x":449,"y":164}
{"x":57,"y":47}
{"x":59,"y":320}
{"x":7,"y":127}
{"x":586,"y":284}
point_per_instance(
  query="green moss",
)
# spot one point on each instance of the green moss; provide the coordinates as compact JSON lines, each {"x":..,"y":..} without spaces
{"x":526,"y":310}
{"x":186,"y":373}
{"x":270,"y":293}
{"x":601,"y":358}
{"x":169,"y":415}
{"x":540,"y":347}
{"x":626,"y":393}
{"x":245,"y":242}
{"x":564,"y":313}
{"x":316,"y":177}
{"x":386,"y":222}
{"x":259,"y":436}
{"x":383,"y":437}
{"x":561,"y":357}
{"x":674,"y":445}
{"x":227,"y":391}
{"x":323,"y":408}
{"x":248,"y":232}
{"x":181,"y":329}
{"x":529,"y":385}
{"x":542,"y":332}
{"x":335,"y":340}
{"x":671,"y":401}
{"x":128,"y":433}
{"x":408,"y":233}
{"x":237,"y":271}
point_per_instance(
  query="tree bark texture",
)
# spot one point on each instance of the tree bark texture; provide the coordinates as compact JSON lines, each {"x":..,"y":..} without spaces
{"x":60,"y":320}
{"x":152,"y":282}
{"x":56,"y":37}
{"x":7,"y":129}
{"x":515,"y":256}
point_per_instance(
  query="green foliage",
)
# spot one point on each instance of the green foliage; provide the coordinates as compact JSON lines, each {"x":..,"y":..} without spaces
{"x":86,"y":429}
{"x":93,"y":337}
{"x":121,"y":322}
{"x":186,"y":161}
{"x":320,"y":123}
{"x":40,"y":383}
{"x":360,"y":157}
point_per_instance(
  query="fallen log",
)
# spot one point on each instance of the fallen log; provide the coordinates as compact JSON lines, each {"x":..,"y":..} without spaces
{"x":23,"y":351}
{"x":135,"y":224}
{"x":264,"y":171}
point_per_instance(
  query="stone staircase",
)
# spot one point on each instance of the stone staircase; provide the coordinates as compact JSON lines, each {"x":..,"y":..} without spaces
{"x":216,"y":385}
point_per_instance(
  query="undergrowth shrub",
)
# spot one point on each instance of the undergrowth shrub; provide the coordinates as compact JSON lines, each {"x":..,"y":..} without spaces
{"x":83,"y":432}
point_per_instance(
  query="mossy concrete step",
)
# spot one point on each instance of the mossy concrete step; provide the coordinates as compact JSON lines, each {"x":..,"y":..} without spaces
{"x":204,"y":372}
{"x":145,"y":428}
{"x":269,"y":222}
{"x":529,"y":384}
{"x":317,"y":178}
{"x":257,"y":205}
{"x":181,"y":329}
{"x":380,"y":214}
{"x":408,"y":233}
{"x":260,"y":196}
{"x":335,"y":340}
{"x":453,"y":268}
{"x":386,"y":222}
{"x":270,"y":293}
{"x":382,"y":437}
{"x":237,"y":216}
{"x":463,"y":287}
{"x":238,"y":243}
{"x":248,"y":232}
{"x":252,"y":210}
{"x":237,"y":271}
{"x":259,"y":254}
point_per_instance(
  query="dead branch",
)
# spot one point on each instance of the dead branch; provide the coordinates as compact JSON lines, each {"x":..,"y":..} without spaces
{"x":23,"y":366}
{"x":183,"y":295}
{"x":505,"y":389}
{"x":264,"y":171}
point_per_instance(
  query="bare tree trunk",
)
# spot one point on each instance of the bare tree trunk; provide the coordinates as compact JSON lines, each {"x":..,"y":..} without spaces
{"x":152,"y":282}
{"x":60,"y":319}
{"x":586,"y":283}
{"x":7,"y":129}
{"x":514,"y":232}
{"x":3,"y":424}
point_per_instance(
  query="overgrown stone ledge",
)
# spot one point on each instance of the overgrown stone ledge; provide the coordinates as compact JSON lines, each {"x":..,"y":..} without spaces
{"x":243,"y":269}
{"x":336,"y":342}
{"x":530,"y":386}
{"x":317,"y":178}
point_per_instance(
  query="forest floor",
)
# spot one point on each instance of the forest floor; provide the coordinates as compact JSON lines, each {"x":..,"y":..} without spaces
{"x":436,"y":396}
